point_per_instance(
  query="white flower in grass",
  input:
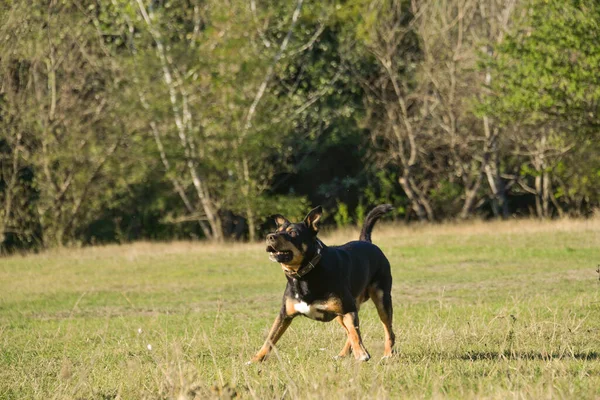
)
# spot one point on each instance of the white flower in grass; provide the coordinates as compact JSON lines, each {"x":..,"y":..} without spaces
{"x":139,"y":331}
{"x":149,"y":347}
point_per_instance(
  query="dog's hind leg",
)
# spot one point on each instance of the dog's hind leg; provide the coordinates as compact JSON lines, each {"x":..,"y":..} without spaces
{"x":383,"y":303}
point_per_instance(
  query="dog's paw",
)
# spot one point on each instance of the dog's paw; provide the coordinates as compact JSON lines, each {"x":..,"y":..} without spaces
{"x":385,"y":359}
{"x":342,"y":355}
{"x":255,"y":360}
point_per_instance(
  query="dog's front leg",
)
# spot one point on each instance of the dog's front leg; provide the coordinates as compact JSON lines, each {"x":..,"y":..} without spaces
{"x":346,"y":349}
{"x":279,"y":326}
{"x":350,"y":321}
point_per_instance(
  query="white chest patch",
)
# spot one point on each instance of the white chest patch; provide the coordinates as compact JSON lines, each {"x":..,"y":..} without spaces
{"x":314,"y":311}
{"x":302,"y":308}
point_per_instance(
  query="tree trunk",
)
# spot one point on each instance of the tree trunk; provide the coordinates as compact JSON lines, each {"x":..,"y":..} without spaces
{"x":538,"y":198}
{"x":176,"y":184}
{"x":423,"y":201}
{"x":499,"y":203}
{"x":541,"y":180}
{"x":251,"y":224}
{"x":247,"y":189}
{"x":492,"y":170}
{"x":419,"y":204}
{"x":546,"y":192}
{"x":9,"y":190}
{"x":470,"y":197}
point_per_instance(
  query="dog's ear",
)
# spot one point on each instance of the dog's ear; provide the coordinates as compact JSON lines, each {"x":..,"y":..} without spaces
{"x":313,"y":218}
{"x":280,"y":220}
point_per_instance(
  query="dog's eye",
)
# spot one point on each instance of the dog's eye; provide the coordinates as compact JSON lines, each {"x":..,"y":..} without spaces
{"x":293,"y":233}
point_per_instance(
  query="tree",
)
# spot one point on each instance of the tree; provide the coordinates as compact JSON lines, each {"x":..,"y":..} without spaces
{"x":225,"y":129}
{"x":395,"y":107}
{"x":62,"y":132}
{"x":544,"y":89}
{"x":420,"y":95}
{"x":451,"y":36}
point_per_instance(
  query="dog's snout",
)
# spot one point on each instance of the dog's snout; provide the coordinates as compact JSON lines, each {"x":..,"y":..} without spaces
{"x":271,"y":237}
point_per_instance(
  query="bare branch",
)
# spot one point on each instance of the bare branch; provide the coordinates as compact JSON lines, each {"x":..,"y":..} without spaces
{"x":308,"y":44}
{"x":261,"y":34}
{"x":269,"y":74}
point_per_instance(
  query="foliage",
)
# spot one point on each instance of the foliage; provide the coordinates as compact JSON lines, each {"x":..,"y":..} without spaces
{"x":65,"y":140}
{"x":129,"y":120}
{"x":545,"y":70}
{"x":342,"y":216}
{"x":383,"y":189}
{"x":546,"y":91}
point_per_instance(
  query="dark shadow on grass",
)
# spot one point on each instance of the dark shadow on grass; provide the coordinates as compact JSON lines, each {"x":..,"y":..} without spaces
{"x":528,"y":355}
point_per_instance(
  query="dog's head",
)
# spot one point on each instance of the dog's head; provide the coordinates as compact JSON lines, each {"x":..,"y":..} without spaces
{"x":291,"y":243}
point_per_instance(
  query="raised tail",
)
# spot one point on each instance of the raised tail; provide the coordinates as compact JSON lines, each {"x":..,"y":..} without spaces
{"x":372,"y":217}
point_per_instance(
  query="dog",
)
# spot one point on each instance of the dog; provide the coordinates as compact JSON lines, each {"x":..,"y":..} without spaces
{"x":326,"y":283}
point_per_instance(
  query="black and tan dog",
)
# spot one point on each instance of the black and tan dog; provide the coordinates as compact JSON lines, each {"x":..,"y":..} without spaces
{"x":326,"y":283}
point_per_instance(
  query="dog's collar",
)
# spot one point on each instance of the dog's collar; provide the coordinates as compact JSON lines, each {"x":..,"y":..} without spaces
{"x":308,"y":267}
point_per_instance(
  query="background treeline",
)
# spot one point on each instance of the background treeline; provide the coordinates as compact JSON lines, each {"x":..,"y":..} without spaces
{"x":158,"y":119}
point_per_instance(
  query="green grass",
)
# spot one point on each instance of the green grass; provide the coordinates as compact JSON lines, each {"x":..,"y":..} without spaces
{"x":499,"y":310}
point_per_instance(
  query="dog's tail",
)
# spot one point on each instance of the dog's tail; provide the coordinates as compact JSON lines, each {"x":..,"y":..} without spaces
{"x":372,"y":217}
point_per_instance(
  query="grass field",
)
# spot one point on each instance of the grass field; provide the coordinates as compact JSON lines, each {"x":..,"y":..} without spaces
{"x":482,"y":310}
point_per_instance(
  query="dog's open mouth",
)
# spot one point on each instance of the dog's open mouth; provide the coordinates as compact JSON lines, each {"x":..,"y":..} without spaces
{"x":282,"y":256}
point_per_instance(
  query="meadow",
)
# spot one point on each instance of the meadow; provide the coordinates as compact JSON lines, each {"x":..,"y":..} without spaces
{"x":481,"y":310}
